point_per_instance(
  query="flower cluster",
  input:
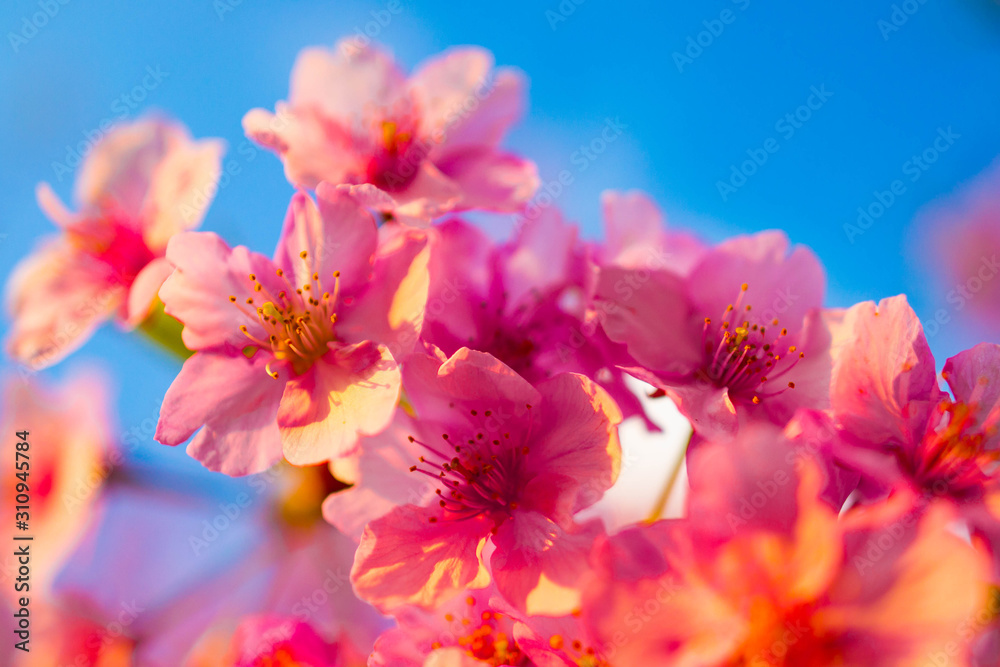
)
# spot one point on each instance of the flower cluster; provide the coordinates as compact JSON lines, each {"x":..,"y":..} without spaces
{"x":423,"y":412}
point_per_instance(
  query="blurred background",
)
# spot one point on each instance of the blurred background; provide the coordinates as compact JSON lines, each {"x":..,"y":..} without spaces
{"x":854,"y":96}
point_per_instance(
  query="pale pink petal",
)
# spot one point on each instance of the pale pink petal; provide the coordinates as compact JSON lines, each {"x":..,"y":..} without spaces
{"x":381,"y":479}
{"x":207,"y":273}
{"x":483,"y":117}
{"x":142,"y":293}
{"x":884,"y":382}
{"x":53,"y":207}
{"x":236,"y":401}
{"x":312,"y":148}
{"x":404,"y":558}
{"x":390,"y":309}
{"x":350,"y":392}
{"x":181,"y":188}
{"x":491,"y":180}
{"x":445,"y":83}
{"x":346,"y":81}
{"x":338,"y":234}
{"x":119,"y":168}
{"x":636,"y":235}
{"x":57,"y":297}
{"x":429,"y":195}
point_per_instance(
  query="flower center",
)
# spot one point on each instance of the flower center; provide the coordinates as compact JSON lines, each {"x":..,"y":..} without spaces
{"x":955,"y":451}
{"x":490,"y":641}
{"x":742,"y":353}
{"x":298,"y":323}
{"x":478,"y":473}
{"x":396,"y":155}
{"x":111,"y":240}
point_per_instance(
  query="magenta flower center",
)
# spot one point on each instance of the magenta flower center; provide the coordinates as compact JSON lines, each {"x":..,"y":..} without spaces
{"x":298,"y":323}
{"x":478,"y":474}
{"x":743,"y":354}
{"x":397,"y":155}
{"x":114,"y":242}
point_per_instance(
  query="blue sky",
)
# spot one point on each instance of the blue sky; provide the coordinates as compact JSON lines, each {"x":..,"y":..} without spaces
{"x":697,"y":88}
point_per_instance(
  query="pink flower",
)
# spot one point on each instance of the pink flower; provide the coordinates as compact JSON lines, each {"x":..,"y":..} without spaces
{"x":428,"y":143}
{"x":635,"y":236}
{"x":176,"y":570}
{"x":897,"y":425}
{"x":737,"y":338}
{"x":511,"y":464}
{"x":469,"y":629}
{"x":528,"y":302}
{"x":788,"y":583}
{"x":276,"y":640}
{"x":63,"y":459}
{"x":295,"y":356}
{"x":143,"y":183}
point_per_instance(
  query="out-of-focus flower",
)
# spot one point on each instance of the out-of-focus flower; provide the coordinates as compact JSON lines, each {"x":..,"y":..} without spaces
{"x":511,"y":464}
{"x":141,"y":184}
{"x":784,"y":582}
{"x":63,"y":466}
{"x":896,"y":424}
{"x":428,"y":143}
{"x":528,"y":302}
{"x":737,"y":338}
{"x":62,"y":462}
{"x":297,"y":355}
{"x":466,"y":629}
{"x":636,"y":236}
{"x":176,"y":574}
{"x":267,"y":640}
{"x":964,"y":241}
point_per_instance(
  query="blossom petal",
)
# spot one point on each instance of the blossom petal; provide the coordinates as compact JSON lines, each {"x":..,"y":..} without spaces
{"x":405,"y":558}
{"x":351,"y":391}
{"x":236,"y":401}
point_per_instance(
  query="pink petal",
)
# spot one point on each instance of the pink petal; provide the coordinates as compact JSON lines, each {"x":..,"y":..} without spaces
{"x":119,"y":169}
{"x":974,"y":378}
{"x":540,"y":257}
{"x":884,"y":381}
{"x":350,"y":392}
{"x":236,"y":401}
{"x":404,"y":558}
{"x":390,"y":309}
{"x":142,"y":293}
{"x":53,"y":207}
{"x":57,"y":297}
{"x":181,"y":189}
{"x":197,"y":293}
{"x":491,"y":180}
{"x":577,"y":437}
{"x":535,"y":554}
{"x":482,"y":117}
{"x":346,"y":81}
{"x":313,"y":148}
{"x":636,"y":235}
{"x":337,"y":235}
{"x":468,"y":377}
{"x":648,"y":311}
